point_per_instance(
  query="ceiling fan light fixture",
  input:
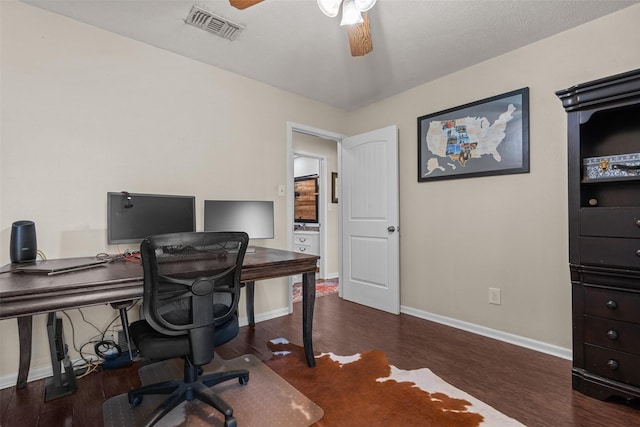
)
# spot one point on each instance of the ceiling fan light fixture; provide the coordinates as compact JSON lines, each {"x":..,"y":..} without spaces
{"x":364,"y":5}
{"x":350,"y":13}
{"x":329,"y":7}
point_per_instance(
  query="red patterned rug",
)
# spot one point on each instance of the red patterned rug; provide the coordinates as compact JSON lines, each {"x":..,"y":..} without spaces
{"x":323,"y":287}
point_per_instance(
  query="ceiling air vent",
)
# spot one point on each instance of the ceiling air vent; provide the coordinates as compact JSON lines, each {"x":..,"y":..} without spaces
{"x":213,"y":23}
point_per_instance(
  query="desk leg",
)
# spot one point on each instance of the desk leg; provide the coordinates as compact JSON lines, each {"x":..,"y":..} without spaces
{"x":249,"y":303}
{"x":308,"y":302}
{"x":25,"y":328}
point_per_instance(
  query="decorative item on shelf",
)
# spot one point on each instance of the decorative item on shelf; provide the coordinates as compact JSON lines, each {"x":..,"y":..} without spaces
{"x":612,"y":167}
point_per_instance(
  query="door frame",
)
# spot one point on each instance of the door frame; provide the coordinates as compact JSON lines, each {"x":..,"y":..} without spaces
{"x":292,"y":128}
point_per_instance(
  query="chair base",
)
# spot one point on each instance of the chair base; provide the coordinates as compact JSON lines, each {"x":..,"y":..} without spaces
{"x":190,"y":388}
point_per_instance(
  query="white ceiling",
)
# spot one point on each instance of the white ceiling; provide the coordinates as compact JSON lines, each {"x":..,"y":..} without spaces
{"x":291,"y":45}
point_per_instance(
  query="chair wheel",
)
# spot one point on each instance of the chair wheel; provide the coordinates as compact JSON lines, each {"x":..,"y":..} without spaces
{"x":230,"y":422}
{"x":134,"y":399}
{"x":243,"y":379}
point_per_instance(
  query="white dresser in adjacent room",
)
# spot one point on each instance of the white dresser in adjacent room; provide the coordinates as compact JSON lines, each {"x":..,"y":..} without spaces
{"x":306,"y":242}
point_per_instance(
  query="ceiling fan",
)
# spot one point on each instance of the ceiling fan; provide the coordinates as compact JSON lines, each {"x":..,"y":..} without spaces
{"x":354,"y":17}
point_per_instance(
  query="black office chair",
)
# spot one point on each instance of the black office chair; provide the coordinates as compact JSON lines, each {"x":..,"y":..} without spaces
{"x":191,"y":293}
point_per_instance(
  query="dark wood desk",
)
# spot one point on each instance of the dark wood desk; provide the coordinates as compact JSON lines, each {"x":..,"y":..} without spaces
{"x":24,"y":294}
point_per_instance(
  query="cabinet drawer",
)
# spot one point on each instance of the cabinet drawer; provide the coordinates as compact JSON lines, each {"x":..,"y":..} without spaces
{"x":303,"y":240}
{"x":612,"y":334}
{"x":306,"y":243}
{"x":619,"y":366}
{"x":610,"y":222}
{"x":612,"y":304}
{"x":615,"y":252}
{"x":303,"y":249}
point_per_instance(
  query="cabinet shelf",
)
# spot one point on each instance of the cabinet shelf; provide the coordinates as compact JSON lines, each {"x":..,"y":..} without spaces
{"x":610,"y":193}
{"x":604,"y":180}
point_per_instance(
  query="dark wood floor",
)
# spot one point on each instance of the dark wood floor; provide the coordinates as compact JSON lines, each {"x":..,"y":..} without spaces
{"x":531,"y":387}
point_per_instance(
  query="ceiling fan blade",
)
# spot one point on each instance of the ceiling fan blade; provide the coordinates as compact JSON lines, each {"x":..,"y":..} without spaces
{"x":360,"y":37}
{"x":243,"y":4}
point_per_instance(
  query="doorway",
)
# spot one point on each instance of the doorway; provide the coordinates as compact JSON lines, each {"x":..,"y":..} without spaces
{"x":375,"y":151}
{"x":309,"y":218}
{"x":314,"y":152}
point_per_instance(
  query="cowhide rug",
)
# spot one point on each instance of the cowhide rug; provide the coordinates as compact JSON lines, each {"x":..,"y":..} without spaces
{"x":364,"y":390}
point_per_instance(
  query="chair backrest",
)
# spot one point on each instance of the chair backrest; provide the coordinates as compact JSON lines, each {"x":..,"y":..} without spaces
{"x":192,"y":283}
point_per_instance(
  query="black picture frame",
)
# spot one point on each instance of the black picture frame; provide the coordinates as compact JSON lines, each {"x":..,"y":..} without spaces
{"x":306,"y":199}
{"x":482,"y":138}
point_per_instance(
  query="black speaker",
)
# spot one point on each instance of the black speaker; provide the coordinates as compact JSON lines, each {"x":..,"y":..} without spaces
{"x":23,"y":246}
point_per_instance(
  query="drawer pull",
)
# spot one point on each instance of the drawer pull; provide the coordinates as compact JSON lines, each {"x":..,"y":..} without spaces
{"x":302,"y":249}
{"x":638,"y":222}
{"x":612,"y":305}
{"x":302,"y":240}
{"x":612,"y":364}
{"x":612,"y":335}
{"x":638,"y":252}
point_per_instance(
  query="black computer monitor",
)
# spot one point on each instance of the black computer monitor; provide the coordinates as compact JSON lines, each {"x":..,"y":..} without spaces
{"x":251,"y":216}
{"x":131,"y":217}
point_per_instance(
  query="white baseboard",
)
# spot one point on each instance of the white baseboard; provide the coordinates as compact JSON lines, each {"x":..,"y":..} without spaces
{"x":529,"y":343}
{"x":35,"y":374}
{"x":10,"y":380}
{"x":265,"y":316}
{"x":41,"y":372}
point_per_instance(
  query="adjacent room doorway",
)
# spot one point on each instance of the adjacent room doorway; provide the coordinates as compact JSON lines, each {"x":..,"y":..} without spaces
{"x":368,"y":259}
{"x":316,"y":219}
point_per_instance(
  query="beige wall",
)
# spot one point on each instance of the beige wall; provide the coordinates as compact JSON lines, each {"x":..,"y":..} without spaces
{"x":460,"y":237}
{"x":85,"y":112}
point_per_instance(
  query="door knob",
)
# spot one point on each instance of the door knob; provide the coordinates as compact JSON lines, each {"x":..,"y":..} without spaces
{"x":391,"y":229}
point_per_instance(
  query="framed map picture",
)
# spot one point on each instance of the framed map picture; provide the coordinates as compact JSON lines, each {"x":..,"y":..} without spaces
{"x":487,"y":137}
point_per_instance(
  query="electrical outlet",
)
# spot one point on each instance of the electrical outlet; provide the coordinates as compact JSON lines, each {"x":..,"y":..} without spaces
{"x":495,"y":296}
{"x":281,"y":191}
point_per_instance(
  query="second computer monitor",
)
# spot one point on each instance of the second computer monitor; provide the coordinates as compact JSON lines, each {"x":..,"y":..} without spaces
{"x":254,"y":217}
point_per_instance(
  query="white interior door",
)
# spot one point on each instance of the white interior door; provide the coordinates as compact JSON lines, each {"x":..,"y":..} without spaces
{"x":370,"y":219}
